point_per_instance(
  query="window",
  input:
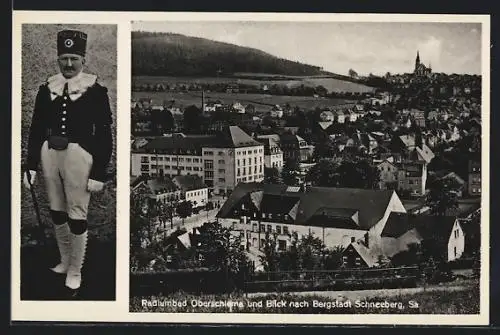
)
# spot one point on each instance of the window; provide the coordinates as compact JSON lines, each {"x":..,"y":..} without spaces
{"x":358,"y":261}
{"x":262,"y":228}
{"x":238,"y":172}
{"x":255,"y":160}
{"x":254,"y":227}
{"x":209,"y":153}
{"x":209,"y":174}
{"x":144,"y":159}
{"x":255,"y":169}
{"x":255,"y":151}
{"x":281,"y":245}
{"x":181,"y":167}
{"x":144,"y":167}
{"x":222,"y":180}
{"x":285,"y":230}
{"x":181,"y":159}
{"x":221,"y":153}
{"x":196,"y":168}
{"x":455,"y":250}
{"x":167,"y":159}
{"x":249,"y":170}
{"x":167,"y":167}
{"x":160,"y":158}
{"x":249,"y":161}
{"x":188,"y":160}
{"x":238,"y":162}
{"x":209,"y":164}
{"x":221,"y":161}
{"x":174,"y":159}
{"x":153,"y":158}
{"x":269,"y":228}
{"x":196,"y":160}
{"x":278,"y":229}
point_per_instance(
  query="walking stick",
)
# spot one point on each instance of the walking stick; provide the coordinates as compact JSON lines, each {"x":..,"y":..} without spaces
{"x":40,"y":229}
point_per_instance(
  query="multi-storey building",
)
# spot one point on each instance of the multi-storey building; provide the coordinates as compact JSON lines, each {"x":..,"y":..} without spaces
{"x":222,"y":160}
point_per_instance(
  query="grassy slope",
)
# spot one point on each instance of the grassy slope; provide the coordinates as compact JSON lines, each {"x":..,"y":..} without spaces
{"x":39,"y":62}
{"x":262,"y":102}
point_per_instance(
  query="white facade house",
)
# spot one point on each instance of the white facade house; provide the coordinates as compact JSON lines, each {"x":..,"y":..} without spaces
{"x":335,"y":215}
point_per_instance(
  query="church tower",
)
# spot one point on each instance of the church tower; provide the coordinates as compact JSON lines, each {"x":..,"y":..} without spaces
{"x":417,"y":61}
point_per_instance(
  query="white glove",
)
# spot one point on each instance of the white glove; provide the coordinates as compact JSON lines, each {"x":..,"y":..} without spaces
{"x":32,"y":178}
{"x":94,"y":185}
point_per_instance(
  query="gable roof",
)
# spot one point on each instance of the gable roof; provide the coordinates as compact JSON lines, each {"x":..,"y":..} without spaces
{"x":368,"y":257}
{"x":428,"y":226}
{"x":189,"y":182}
{"x":371,"y":205}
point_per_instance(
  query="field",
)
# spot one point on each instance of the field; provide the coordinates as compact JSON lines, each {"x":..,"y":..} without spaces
{"x":459,"y":299}
{"x":331,"y":84}
{"x":38,"y":63}
{"x":261,"y":102}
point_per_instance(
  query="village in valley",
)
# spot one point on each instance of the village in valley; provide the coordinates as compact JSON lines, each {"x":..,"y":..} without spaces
{"x":259,"y":183}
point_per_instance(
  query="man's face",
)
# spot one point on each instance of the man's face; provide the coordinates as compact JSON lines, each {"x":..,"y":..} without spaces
{"x":70,"y":64}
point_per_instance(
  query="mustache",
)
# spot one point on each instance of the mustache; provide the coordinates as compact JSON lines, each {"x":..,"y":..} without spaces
{"x":68,"y":68}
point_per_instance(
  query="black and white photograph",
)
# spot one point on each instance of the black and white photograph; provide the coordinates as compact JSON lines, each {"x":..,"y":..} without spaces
{"x":281,"y":167}
{"x":68,"y":162}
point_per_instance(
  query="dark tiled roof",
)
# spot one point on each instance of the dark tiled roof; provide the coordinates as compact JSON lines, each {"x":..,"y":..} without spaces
{"x":189,"y":182}
{"x":371,"y":204}
{"x":428,"y":226}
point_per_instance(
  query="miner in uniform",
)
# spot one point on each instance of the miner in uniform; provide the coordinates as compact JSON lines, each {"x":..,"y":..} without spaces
{"x":71,"y":136}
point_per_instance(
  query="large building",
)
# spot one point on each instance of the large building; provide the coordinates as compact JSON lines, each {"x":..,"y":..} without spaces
{"x":474,"y":182}
{"x":273,"y":156}
{"x":222,"y":160}
{"x":335,"y":215}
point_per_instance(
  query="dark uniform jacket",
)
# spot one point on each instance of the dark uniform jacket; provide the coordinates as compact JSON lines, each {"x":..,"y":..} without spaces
{"x":86,"y":121}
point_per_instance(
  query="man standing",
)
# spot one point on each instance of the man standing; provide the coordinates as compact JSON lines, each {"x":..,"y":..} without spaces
{"x":71,"y":136}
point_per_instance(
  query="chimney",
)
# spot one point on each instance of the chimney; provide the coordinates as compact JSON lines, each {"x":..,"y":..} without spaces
{"x":202,"y":101}
{"x":367,"y":240}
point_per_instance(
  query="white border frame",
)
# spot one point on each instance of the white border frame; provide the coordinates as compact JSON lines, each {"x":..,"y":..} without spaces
{"x":118,"y":311}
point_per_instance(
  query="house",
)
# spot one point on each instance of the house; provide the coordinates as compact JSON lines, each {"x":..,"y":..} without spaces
{"x":295,"y":147}
{"x":364,"y":140}
{"x":340,"y":116}
{"x":335,"y":215}
{"x":388,"y":175}
{"x":442,"y":236}
{"x":351,"y":116}
{"x":238,"y":107}
{"x":273,"y":156}
{"x":193,"y":189}
{"x":412,"y":177}
{"x":160,"y":189}
{"x":474,"y":177}
{"x":326,"y":116}
{"x":357,"y":254}
{"x":458,"y":183}
{"x":276,"y":111}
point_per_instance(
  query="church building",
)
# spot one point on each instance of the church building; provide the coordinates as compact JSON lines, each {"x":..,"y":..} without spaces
{"x":420,"y":68}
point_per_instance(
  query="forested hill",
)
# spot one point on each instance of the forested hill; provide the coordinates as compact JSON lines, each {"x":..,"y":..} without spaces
{"x":167,"y":54}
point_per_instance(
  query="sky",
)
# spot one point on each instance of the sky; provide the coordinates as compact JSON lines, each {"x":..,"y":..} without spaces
{"x":366,"y":47}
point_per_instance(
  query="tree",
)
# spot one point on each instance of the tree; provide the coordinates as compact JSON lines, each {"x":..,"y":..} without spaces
{"x":310,"y":251}
{"x":222,"y":251}
{"x":324,"y":173}
{"x":290,"y":171}
{"x":325,"y":148}
{"x":442,"y":197}
{"x":272,"y":176}
{"x":184,"y":209}
{"x":270,"y":256}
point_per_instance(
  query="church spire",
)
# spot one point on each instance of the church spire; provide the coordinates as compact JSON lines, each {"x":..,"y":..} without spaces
{"x":418,"y":58}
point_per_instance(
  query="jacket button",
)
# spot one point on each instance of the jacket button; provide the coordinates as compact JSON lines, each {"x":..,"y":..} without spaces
{"x":63,"y":119}
{"x":65,"y":98}
{"x":64,"y":105}
{"x":63,"y":133}
{"x":63,"y":126}
{"x":64,"y":112}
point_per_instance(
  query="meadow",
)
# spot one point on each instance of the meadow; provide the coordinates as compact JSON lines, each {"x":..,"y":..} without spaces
{"x":331,"y":84}
{"x":261,"y":102}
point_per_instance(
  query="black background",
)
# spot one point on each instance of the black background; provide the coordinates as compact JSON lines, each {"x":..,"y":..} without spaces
{"x":430,"y":7}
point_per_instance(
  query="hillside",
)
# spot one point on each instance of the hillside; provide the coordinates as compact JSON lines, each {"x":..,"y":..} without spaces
{"x":167,"y":54}
{"x":39,"y":61}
